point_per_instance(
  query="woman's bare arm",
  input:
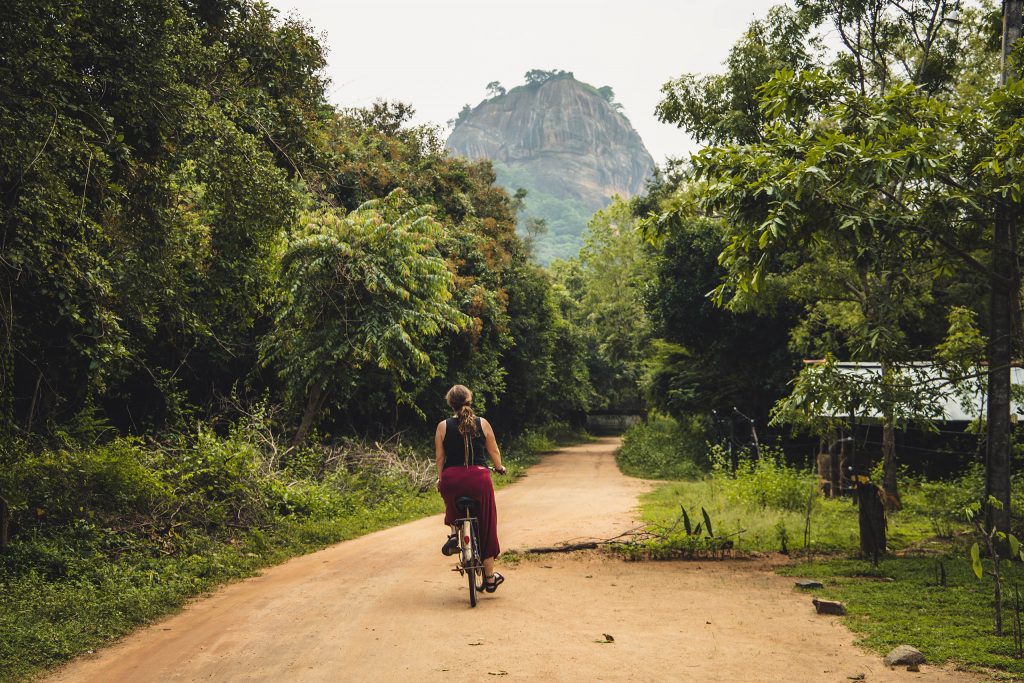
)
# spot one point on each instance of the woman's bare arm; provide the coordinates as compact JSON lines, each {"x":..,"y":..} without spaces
{"x":439,"y":447}
{"x":492,"y":445}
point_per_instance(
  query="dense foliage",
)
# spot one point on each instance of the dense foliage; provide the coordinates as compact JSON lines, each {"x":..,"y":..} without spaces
{"x":183,"y":217}
{"x":606,"y":286}
{"x":191,"y":233}
{"x":847,"y":204}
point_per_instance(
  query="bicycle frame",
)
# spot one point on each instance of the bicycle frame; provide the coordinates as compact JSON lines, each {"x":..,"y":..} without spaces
{"x":469,"y":562}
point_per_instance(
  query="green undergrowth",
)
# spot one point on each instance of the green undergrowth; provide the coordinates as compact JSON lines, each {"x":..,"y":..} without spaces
{"x":768,"y":505}
{"x":111,"y":536}
{"x":766,"y":528}
{"x":765,"y":506}
{"x":662,"y":448}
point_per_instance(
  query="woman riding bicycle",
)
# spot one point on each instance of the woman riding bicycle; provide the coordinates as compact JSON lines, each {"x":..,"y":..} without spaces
{"x":460,"y":443}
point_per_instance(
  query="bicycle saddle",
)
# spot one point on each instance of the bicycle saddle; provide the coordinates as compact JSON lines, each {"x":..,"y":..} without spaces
{"x":465,"y":502}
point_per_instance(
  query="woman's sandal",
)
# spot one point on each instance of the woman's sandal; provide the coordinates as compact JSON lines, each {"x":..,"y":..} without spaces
{"x":492,"y":582}
{"x":451,"y":546}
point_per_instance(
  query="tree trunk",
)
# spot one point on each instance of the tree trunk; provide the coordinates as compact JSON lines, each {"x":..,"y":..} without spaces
{"x":892,"y":495}
{"x":1000,"y":350}
{"x":871,"y":520}
{"x":314,"y":403}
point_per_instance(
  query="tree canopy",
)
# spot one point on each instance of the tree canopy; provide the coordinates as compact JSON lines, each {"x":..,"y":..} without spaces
{"x":175,"y":191}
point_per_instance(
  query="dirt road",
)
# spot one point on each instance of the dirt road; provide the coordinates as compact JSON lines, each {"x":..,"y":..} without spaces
{"x":385,"y":608}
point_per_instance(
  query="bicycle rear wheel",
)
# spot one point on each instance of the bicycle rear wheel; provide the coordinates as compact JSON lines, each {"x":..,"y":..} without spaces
{"x":471,"y":573}
{"x":470,"y":556}
{"x":478,"y":561}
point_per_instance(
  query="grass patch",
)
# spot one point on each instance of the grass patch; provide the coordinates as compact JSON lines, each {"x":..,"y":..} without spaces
{"x":899,"y":602}
{"x":951,"y":623}
{"x":755,"y":527}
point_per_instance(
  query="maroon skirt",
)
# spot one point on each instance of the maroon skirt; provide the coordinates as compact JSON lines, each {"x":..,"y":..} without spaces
{"x":474,"y":482}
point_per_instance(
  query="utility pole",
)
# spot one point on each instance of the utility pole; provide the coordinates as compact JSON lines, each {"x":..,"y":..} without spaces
{"x":1000,"y":355}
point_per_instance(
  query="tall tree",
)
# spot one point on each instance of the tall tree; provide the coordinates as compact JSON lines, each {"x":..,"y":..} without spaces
{"x":362,"y":290}
{"x":815,"y":159}
{"x":609,"y":282}
{"x":1005,"y":293}
{"x":150,"y":177}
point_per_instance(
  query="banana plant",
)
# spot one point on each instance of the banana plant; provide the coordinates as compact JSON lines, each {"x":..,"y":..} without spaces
{"x":695,"y":530}
{"x":994,"y":541}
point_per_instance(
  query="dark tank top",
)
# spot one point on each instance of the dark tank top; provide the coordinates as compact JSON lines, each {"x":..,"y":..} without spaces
{"x":454,"y":447}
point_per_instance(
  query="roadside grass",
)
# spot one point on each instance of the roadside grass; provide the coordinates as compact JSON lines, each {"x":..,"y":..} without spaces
{"x":74,"y":599}
{"x":901,"y":601}
{"x":754,"y":527}
{"x":946,"y":623}
{"x":662,"y":448}
{"x":72,"y":587}
{"x":898,"y":602}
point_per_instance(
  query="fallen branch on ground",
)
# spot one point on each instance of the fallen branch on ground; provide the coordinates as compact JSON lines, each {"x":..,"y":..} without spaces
{"x":651,"y":542}
{"x":564,"y":548}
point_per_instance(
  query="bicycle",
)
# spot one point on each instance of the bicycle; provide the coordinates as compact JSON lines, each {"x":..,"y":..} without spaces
{"x":470,"y":563}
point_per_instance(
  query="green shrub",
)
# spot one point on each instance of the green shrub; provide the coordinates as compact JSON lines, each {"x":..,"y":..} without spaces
{"x":57,"y":486}
{"x":563,"y":433}
{"x":662,"y":448}
{"x":522,"y":449}
{"x":535,"y":441}
{"x":678,"y":546}
{"x":765,"y":481}
{"x":224,"y":480}
{"x":109,"y":535}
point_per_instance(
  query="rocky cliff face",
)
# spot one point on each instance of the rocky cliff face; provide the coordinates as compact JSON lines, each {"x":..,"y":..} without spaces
{"x":563,"y":141}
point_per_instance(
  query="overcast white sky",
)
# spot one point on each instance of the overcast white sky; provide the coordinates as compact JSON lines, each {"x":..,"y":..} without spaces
{"x":439,"y":55}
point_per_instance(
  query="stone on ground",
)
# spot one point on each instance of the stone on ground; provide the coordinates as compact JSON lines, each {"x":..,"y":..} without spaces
{"x":904,"y":654}
{"x":829,"y":607}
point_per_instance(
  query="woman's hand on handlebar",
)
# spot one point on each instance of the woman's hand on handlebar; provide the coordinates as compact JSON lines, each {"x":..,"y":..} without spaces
{"x":499,"y":470}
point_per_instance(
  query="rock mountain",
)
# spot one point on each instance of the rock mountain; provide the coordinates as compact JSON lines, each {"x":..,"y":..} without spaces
{"x":565,"y":142}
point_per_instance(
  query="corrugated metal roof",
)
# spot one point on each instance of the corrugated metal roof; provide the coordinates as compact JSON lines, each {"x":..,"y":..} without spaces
{"x":956,"y":406}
